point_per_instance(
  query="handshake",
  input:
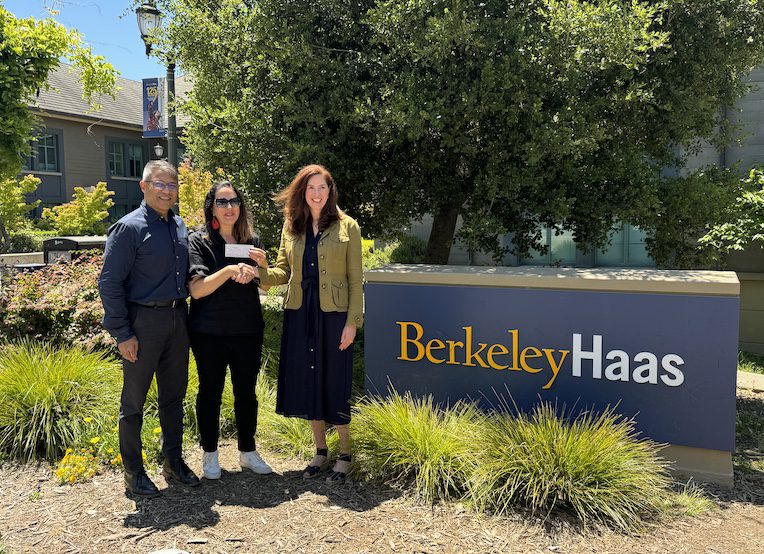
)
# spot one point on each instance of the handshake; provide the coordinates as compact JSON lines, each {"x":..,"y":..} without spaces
{"x":242,"y":273}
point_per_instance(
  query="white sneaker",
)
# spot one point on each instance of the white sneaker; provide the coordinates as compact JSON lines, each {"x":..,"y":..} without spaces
{"x":253,"y":461}
{"x":210,"y":465}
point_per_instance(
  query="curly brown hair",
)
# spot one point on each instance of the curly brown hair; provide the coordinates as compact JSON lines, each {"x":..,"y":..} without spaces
{"x":296,"y":210}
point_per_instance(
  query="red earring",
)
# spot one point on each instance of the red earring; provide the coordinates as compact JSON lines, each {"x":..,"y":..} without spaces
{"x":215,"y":223}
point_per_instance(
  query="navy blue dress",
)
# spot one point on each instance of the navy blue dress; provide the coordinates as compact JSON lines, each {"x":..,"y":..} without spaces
{"x":315,"y":376}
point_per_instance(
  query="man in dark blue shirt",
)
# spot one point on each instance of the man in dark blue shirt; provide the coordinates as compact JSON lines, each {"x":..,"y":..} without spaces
{"x":143,"y":290}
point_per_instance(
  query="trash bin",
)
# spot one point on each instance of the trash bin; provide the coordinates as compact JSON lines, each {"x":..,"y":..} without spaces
{"x":62,"y":247}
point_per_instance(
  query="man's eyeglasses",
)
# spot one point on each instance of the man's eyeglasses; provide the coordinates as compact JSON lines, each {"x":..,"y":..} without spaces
{"x":161,"y":185}
{"x":226,"y":202}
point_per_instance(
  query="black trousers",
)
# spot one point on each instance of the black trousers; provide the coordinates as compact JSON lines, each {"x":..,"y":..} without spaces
{"x":213,"y":354}
{"x":162,"y":335}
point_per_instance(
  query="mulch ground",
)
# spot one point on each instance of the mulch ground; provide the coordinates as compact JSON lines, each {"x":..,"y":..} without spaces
{"x":244,"y":512}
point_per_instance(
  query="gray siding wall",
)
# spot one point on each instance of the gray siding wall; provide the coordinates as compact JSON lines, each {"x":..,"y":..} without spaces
{"x":83,"y":154}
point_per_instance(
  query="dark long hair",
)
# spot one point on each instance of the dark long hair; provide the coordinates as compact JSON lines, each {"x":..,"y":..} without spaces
{"x":296,"y":211}
{"x":242,"y":230}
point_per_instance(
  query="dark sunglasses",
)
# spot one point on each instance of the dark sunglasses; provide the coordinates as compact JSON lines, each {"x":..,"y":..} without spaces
{"x":226,"y":202}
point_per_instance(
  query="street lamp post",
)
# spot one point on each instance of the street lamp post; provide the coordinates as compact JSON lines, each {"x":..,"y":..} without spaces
{"x":149,"y":20}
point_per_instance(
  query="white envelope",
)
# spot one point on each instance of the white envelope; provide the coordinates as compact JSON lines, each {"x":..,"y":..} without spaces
{"x":237,"y":250}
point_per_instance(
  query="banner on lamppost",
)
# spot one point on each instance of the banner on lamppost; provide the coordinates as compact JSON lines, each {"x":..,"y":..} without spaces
{"x":153,"y":108}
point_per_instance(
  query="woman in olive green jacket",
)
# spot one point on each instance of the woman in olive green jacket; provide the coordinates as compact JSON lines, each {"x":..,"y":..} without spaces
{"x":320,"y":259}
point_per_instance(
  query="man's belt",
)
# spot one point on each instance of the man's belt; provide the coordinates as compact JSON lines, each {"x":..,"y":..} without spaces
{"x":162,"y":303}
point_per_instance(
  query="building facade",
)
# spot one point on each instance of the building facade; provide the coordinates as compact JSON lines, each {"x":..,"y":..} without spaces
{"x":77,"y":147}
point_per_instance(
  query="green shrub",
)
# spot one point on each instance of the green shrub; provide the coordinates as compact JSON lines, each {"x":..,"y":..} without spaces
{"x":46,"y":394}
{"x":408,"y":250}
{"x":85,"y":214}
{"x":28,"y":240}
{"x":373,"y":257}
{"x":412,"y":441}
{"x":58,"y":304}
{"x":750,"y":363}
{"x":592,"y":466}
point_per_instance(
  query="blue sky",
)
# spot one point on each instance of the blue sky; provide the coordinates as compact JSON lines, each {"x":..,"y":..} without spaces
{"x":112,"y":36}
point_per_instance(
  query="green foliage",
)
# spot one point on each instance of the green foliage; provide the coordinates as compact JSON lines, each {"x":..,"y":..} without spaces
{"x":746,"y":223}
{"x":194,"y":184}
{"x":750,"y":363}
{"x":407,"y":440}
{"x":514,"y":116}
{"x":85,"y":214}
{"x":14,"y":207}
{"x":681,"y":212}
{"x":30,"y":50}
{"x":58,"y":304}
{"x":46,"y":394}
{"x":408,"y":250}
{"x":592,"y":466}
{"x":688,"y":499}
{"x":373,"y":257}
{"x":28,"y":240}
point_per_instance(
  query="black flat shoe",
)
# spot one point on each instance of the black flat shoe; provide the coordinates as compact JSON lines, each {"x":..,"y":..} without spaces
{"x":139,"y":484}
{"x":179,"y":472}
{"x":313,"y":470}
{"x":340,"y":476}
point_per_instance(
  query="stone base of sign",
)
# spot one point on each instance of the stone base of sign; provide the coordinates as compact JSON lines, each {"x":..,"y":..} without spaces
{"x":750,"y":381}
{"x":26,"y":258}
{"x":700,"y":464}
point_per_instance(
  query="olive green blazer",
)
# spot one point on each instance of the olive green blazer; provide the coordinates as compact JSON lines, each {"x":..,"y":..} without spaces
{"x":340,"y":272}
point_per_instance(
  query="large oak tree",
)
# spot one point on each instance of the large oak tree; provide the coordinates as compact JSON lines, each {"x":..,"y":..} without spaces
{"x":514,"y":115}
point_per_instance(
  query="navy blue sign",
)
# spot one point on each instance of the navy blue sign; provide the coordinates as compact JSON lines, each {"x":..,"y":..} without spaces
{"x":667,"y":360}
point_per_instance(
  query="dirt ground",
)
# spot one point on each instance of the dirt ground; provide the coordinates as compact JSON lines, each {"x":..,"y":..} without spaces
{"x":244,"y":512}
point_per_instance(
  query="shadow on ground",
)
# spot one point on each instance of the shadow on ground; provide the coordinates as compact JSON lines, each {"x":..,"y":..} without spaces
{"x":198,"y":507}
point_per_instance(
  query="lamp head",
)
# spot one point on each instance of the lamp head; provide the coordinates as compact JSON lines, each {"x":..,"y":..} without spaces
{"x":149,"y":20}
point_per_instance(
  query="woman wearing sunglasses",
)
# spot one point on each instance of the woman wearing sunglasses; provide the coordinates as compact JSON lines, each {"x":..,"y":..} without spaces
{"x":226,"y":325}
{"x":320,"y":258}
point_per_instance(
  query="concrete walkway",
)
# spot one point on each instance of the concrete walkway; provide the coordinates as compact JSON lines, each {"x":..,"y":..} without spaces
{"x":751,"y":381}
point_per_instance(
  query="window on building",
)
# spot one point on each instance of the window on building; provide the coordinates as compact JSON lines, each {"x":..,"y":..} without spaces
{"x":627,"y":248}
{"x":562,"y":249}
{"x":125,"y":159}
{"x":44,"y":156}
{"x":116,"y":164}
{"x":134,"y":160}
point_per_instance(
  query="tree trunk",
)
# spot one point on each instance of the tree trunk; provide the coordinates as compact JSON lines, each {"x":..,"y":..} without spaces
{"x":5,"y":239}
{"x":442,"y":235}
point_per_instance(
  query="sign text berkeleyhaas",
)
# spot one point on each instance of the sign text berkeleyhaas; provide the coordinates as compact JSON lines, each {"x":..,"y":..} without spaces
{"x":536,"y":360}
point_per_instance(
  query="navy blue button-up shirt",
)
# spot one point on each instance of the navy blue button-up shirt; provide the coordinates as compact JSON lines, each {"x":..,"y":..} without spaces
{"x":145,"y":260}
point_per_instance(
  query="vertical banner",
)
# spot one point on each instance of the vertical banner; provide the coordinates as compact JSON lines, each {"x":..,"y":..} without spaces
{"x":153,"y":108}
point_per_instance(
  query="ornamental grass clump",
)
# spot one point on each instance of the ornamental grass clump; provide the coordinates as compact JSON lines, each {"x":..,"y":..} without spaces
{"x":592,"y":466}
{"x":46,"y":394}
{"x":413,"y":441}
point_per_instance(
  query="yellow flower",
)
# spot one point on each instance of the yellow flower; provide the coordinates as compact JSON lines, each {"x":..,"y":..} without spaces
{"x":95,"y":440}
{"x":68,"y":451}
{"x":157,"y":430}
{"x":88,"y":420}
{"x":110,"y":450}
